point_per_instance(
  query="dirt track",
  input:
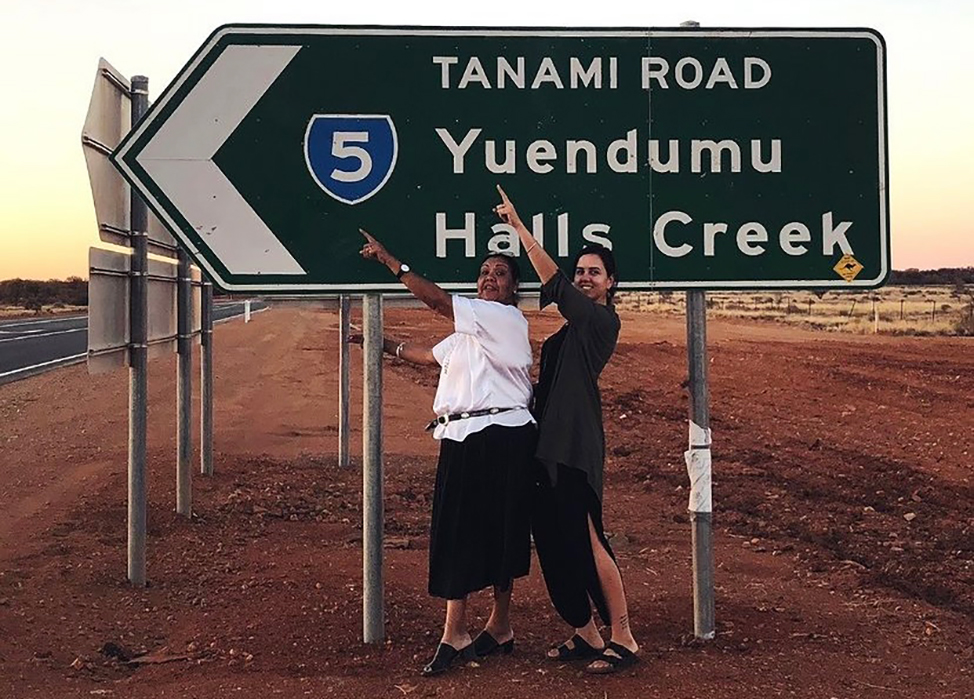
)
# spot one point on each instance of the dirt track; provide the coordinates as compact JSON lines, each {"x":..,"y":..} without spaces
{"x":844,"y":514}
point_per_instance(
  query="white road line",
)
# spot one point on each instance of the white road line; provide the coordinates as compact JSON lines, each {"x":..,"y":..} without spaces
{"x":32,"y":337}
{"x":253,"y":312}
{"x":74,"y":357}
{"x":42,"y":364}
{"x":15,"y":323}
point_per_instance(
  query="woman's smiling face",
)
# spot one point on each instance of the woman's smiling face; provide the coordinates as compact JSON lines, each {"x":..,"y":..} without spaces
{"x":591,"y":278}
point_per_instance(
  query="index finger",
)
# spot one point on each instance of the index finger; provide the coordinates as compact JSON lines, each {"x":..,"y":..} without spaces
{"x":500,"y":191}
{"x":367,"y":236}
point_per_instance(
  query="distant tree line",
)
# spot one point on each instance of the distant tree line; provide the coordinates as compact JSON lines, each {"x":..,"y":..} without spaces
{"x":73,"y":291}
{"x":33,"y":294}
{"x":923,"y":277}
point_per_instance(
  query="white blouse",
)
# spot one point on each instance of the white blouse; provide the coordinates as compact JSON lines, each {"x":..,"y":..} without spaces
{"x":484,"y":364}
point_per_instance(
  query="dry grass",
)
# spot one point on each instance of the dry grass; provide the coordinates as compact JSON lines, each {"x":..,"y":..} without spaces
{"x":12,"y":312}
{"x":896,"y":310}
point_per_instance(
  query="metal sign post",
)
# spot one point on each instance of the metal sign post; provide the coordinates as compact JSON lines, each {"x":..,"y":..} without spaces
{"x":699,"y":462}
{"x":138,"y":367}
{"x":139,"y":308}
{"x":184,"y":388}
{"x":699,"y":468}
{"x":206,"y":382}
{"x":344,"y":384}
{"x":373,"y":609}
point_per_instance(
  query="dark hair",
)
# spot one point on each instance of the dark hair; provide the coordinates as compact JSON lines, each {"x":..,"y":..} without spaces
{"x":512,"y":266}
{"x":608,"y":261}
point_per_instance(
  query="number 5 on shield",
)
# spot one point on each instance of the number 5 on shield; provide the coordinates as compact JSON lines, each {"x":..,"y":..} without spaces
{"x":341,"y":149}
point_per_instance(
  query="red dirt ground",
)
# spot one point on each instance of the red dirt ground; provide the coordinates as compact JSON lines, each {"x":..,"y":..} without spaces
{"x":844,"y":525}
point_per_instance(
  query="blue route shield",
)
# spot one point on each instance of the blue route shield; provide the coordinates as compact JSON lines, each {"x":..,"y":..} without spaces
{"x":351,"y":156}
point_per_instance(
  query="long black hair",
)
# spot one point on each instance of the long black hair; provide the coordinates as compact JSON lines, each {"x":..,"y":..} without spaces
{"x":608,"y":261}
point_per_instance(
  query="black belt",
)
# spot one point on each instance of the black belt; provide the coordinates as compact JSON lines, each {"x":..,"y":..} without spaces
{"x":446,"y":419}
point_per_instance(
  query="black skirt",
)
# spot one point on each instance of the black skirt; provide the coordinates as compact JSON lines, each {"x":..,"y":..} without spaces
{"x":480,"y":534}
{"x":561,"y":537}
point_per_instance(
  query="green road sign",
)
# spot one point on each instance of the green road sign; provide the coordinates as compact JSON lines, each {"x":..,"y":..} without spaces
{"x":714,"y":159}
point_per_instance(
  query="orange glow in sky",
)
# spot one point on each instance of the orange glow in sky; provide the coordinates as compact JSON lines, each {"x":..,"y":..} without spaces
{"x":51,"y":51}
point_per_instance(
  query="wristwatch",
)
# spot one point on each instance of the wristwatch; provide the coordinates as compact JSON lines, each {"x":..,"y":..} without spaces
{"x":403,"y":268}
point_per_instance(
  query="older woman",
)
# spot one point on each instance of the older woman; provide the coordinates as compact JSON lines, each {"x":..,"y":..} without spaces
{"x":578,"y":565}
{"x":480,"y":528}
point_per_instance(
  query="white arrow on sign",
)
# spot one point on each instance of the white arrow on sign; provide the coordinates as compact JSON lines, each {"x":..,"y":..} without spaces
{"x":179,"y":159}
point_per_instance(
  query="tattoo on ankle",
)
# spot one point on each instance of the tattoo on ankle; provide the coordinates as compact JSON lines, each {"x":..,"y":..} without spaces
{"x":624,"y":621}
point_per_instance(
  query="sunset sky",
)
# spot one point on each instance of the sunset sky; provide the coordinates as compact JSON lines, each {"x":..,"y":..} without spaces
{"x":51,"y":48}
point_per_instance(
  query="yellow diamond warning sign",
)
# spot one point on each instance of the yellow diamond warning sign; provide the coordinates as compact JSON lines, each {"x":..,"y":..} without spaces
{"x":848,"y":267}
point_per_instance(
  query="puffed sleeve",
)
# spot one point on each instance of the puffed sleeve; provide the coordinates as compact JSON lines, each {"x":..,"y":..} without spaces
{"x":443,"y":349}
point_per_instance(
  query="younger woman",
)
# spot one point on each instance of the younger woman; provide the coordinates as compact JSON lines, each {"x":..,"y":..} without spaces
{"x":578,"y":565}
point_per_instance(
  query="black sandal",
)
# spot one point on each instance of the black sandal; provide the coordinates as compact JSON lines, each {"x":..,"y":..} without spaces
{"x":579,"y":650}
{"x":622,"y":658}
{"x":485,"y":645}
{"x":444,"y":657}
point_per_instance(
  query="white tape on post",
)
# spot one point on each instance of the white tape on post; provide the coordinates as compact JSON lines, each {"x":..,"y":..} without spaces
{"x":698,"y":468}
{"x":699,"y":437}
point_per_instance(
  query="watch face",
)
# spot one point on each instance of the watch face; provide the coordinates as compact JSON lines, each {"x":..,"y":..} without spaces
{"x":403,"y":269}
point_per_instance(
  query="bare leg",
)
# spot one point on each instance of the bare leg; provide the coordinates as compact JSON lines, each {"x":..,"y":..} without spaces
{"x":499,"y":623}
{"x":455,"y":627}
{"x":590,"y":632}
{"x":615,"y":595}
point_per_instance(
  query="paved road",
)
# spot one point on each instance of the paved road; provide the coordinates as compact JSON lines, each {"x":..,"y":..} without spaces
{"x":30,"y":346}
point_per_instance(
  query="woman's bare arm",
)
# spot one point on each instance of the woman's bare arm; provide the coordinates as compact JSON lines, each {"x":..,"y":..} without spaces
{"x":411,"y":352}
{"x":422,"y":288}
{"x":537,"y":255}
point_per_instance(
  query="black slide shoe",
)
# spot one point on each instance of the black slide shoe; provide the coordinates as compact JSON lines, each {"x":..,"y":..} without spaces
{"x":485,"y":645}
{"x":578,"y":650}
{"x":616,"y":657}
{"x":444,"y":657}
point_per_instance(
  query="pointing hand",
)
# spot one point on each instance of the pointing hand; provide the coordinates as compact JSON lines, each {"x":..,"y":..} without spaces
{"x":506,"y":211}
{"x":373,"y":249}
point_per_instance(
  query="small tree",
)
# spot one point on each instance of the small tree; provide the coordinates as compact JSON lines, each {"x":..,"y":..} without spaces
{"x":965,"y":324}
